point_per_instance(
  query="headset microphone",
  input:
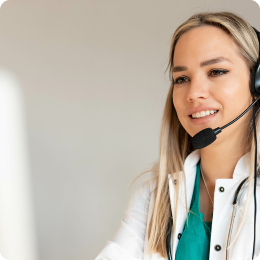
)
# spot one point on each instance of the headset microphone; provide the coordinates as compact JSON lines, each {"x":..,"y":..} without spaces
{"x":208,"y":135}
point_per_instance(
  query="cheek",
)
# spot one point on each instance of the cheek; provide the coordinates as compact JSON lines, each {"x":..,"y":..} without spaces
{"x":234,"y":97}
{"x":177,"y":101}
{"x":237,"y":90}
{"x":177,"y":98}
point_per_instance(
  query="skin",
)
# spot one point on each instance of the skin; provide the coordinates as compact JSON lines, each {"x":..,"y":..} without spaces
{"x":227,"y":92}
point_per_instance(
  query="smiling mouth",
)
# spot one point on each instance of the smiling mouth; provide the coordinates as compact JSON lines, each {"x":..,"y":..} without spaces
{"x":203,"y":116}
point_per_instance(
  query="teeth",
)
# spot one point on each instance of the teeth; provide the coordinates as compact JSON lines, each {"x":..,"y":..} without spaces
{"x":203,"y":113}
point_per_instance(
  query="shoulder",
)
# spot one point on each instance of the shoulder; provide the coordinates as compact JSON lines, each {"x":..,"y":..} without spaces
{"x":142,"y":196}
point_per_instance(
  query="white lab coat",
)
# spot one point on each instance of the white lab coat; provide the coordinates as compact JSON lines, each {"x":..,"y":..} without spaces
{"x":131,"y":237}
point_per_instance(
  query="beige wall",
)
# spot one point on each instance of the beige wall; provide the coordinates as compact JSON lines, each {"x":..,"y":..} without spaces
{"x":92,"y":74}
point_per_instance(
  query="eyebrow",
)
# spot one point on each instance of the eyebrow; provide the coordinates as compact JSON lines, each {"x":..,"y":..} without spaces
{"x":202,"y":64}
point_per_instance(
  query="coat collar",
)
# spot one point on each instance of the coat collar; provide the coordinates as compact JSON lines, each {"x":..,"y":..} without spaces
{"x":242,"y":168}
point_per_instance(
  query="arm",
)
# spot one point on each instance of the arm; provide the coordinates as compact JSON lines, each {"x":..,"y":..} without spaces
{"x":128,"y":241}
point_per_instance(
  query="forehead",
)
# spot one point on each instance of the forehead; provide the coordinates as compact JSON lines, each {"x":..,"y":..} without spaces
{"x":204,"y":43}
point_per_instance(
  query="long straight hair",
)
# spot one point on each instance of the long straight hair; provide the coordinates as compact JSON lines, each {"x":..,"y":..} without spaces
{"x":175,"y":142}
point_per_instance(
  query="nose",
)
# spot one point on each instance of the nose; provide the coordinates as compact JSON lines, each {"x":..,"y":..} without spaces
{"x":197,"y":90}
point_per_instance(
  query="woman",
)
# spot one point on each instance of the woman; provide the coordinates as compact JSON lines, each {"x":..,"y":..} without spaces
{"x":184,"y":212}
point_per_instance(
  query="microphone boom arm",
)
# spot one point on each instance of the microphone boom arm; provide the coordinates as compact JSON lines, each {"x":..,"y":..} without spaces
{"x":218,"y":129}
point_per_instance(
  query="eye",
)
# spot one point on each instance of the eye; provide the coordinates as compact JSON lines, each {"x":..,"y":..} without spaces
{"x":214,"y":73}
{"x":219,"y":71}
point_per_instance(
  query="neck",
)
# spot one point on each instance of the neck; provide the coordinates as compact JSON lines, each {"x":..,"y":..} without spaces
{"x":218,"y":160}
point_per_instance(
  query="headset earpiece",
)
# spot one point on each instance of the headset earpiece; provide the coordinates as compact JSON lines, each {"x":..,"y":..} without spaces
{"x":255,"y":73}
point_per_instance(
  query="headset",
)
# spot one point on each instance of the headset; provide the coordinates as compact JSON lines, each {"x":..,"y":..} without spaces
{"x":255,"y":90}
{"x":207,"y":136}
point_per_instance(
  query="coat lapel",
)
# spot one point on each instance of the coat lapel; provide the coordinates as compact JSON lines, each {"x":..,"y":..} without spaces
{"x":190,"y":173}
{"x":190,"y":166}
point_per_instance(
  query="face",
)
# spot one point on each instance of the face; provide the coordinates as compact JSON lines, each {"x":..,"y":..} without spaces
{"x":201,"y":88}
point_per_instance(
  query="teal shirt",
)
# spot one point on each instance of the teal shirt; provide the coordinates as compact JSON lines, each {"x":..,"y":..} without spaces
{"x":194,"y":242}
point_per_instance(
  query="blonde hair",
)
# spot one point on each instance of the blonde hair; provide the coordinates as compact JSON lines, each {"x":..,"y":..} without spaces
{"x":175,"y":143}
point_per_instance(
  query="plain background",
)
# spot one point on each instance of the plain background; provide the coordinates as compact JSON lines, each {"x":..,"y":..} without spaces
{"x":94,"y":84}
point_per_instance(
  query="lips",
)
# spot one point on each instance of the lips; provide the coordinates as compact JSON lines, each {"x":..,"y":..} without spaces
{"x":204,"y":116}
{"x":200,"y":108}
{"x":203,"y":120}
